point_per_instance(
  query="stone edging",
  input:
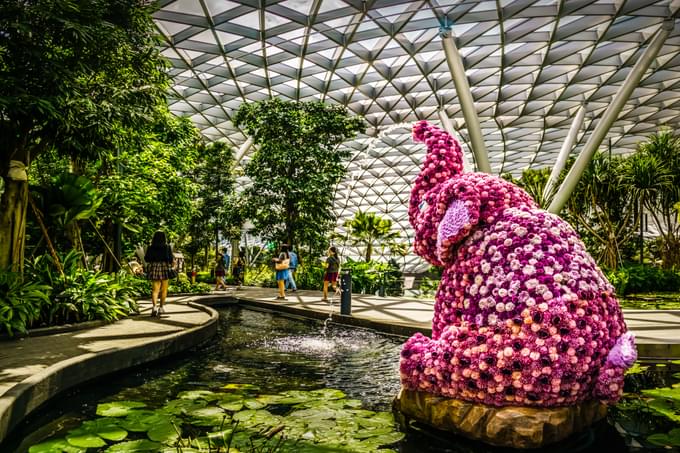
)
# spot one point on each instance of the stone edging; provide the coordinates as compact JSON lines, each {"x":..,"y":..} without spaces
{"x":26,"y":396}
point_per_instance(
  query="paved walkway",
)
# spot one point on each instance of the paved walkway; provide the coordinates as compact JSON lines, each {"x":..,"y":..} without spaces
{"x":25,"y":357}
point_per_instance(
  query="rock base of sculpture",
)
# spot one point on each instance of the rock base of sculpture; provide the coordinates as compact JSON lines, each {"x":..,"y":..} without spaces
{"x":511,"y":426}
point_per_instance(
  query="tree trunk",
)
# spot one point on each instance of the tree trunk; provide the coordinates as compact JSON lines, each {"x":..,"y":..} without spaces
{"x":13,"y":203}
{"x":369,"y":251}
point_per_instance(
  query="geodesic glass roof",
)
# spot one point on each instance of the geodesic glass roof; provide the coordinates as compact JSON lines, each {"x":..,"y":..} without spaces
{"x":531,"y":64}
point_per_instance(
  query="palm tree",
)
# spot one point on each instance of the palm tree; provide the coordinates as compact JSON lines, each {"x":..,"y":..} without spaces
{"x":645,"y":178}
{"x":604,"y":207}
{"x":368,"y":228}
{"x":664,"y":147}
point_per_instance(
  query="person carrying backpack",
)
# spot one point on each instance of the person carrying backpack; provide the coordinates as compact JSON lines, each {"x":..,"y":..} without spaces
{"x":292,"y":267}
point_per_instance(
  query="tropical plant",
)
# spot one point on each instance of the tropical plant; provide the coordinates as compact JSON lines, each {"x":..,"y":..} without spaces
{"x":533,"y":182}
{"x":295,"y":167}
{"x":80,"y":294}
{"x":659,"y":169}
{"x":367,"y":229}
{"x":67,"y":200}
{"x":81,"y":85}
{"x":603,"y":206}
{"x":20,"y":302}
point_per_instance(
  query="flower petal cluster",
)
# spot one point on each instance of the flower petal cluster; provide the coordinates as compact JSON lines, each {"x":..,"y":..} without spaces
{"x":523,"y":314}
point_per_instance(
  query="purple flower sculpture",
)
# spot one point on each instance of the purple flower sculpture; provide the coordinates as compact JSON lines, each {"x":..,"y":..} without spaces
{"x":523,"y":315}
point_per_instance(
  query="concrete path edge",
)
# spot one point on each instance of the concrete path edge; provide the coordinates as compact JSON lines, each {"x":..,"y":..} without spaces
{"x":25,"y":397}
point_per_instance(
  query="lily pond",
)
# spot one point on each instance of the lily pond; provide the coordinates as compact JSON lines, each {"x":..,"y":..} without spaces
{"x":271,"y":383}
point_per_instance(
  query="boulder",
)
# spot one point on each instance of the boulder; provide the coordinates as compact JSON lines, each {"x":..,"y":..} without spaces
{"x":509,"y":426}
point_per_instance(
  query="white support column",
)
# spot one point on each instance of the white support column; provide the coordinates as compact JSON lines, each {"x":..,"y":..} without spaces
{"x":609,"y":116}
{"x":243,"y":149}
{"x":467,"y":104}
{"x":448,"y":127}
{"x":562,"y":157}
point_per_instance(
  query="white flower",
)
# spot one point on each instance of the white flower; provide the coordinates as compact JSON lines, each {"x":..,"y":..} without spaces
{"x":507,"y":242}
{"x":500,"y":307}
{"x":548,"y":270}
{"x":528,"y":248}
{"x":530,"y":302}
{"x":493,"y":319}
{"x":478,"y":279}
{"x":509,"y":306}
{"x":528,"y":270}
{"x":531,"y":283}
{"x":547,"y":296}
{"x":502,"y":292}
{"x":520,"y":231}
{"x":486,"y":267}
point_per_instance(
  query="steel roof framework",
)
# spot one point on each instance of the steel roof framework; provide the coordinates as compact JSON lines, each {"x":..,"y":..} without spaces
{"x":530,"y":64}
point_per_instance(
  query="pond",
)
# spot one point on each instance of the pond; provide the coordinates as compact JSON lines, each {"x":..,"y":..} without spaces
{"x":266,"y":383}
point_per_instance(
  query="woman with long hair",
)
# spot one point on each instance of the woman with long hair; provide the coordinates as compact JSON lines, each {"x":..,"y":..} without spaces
{"x":158,"y":260}
{"x":331,"y":274}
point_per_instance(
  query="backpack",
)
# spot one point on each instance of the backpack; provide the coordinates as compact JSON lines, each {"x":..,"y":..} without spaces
{"x":293,"y":260}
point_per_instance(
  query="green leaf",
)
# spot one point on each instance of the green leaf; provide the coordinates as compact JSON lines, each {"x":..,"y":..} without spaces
{"x":142,"y":445}
{"x":118,"y":408}
{"x":106,"y":428}
{"x":182,"y":406}
{"x":164,"y":432}
{"x":199,"y":394}
{"x":56,"y":446}
{"x":86,"y":441}
{"x":659,"y":439}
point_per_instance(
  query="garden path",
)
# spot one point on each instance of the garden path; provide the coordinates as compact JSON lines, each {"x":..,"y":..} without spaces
{"x":25,"y":357}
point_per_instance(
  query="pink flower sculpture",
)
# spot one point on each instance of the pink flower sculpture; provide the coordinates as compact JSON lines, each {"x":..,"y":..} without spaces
{"x":523,"y":315}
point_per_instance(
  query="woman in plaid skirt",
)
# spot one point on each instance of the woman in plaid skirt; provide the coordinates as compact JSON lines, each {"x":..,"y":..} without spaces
{"x":158,"y":260}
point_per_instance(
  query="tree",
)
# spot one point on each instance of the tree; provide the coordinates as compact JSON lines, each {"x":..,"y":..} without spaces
{"x":367,"y":229}
{"x":76,"y":77}
{"x":214,"y":175}
{"x":295,"y":167}
{"x":604,"y":208}
{"x":658,"y":162}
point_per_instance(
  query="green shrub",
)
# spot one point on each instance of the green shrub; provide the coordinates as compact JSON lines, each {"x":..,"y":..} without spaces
{"x":309,"y":276}
{"x":81,"y":294}
{"x":373,"y":276}
{"x":20,"y":302}
{"x":637,"y":278}
{"x":261,"y":275}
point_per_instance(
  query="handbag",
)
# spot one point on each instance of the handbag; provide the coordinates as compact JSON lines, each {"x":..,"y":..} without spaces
{"x":282,"y":265}
{"x":172,"y":273}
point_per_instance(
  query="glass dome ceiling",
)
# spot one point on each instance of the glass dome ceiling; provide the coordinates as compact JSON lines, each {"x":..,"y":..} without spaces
{"x":530,"y":64}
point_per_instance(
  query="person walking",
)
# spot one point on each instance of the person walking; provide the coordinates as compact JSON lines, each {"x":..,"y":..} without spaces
{"x":331,"y":274}
{"x":239,"y":266}
{"x":158,"y":259}
{"x":220,"y":271}
{"x":292,"y":267}
{"x":226,"y":259}
{"x":281,"y":265}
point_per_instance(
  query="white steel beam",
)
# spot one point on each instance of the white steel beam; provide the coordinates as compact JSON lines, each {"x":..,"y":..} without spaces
{"x":562,"y":157}
{"x":243,"y":149}
{"x":609,"y":116}
{"x":467,"y":104}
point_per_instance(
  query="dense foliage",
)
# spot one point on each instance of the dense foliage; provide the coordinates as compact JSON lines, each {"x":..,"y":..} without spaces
{"x":295,"y":168}
{"x":83,"y":85}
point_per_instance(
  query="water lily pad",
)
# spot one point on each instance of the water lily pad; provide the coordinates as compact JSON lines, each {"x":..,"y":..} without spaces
{"x":233,"y":406}
{"x":85,"y":441}
{"x":209,"y":416}
{"x":269,"y":399}
{"x":106,"y":428}
{"x":56,"y":446}
{"x":383,"y":439}
{"x":206,"y":395}
{"x":257,"y":417}
{"x":182,"y":406}
{"x":118,"y":408}
{"x":143,"y":420}
{"x":135,"y":446}
{"x":253,"y":404}
{"x":165,"y":433}
{"x":241,"y":387}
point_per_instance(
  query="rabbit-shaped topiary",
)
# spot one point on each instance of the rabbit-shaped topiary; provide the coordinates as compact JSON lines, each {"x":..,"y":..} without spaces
{"x":523,"y":315}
